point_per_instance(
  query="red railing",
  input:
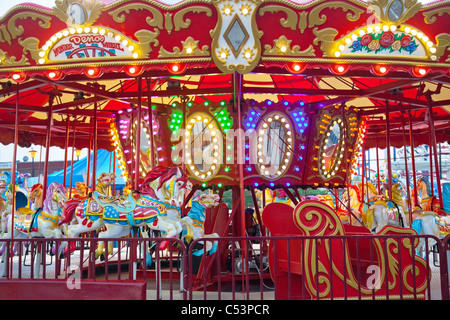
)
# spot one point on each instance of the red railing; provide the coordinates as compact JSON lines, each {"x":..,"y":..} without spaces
{"x":252,"y":268}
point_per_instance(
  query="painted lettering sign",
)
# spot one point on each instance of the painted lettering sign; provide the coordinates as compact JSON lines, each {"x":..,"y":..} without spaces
{"x":85,"y":45}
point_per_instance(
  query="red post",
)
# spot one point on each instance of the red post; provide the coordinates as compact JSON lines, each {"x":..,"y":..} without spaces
{"x":407,"y":171}
{"x":413,"y":162}
{"x":378,"y":169}
{"x":240,"y":151}
{"x":94,"y":149}
{"x":150,"y":122}
{"x":363,"y":171}
{"x":388,"y":147}
{"x":138,"y":135}
{"x":88,"y":179}
{"x":66,"y":147}
{"x":13,"y":166}
{"x":433,"y":142}
{"x":47,"y":142}
{"x":73,"y":152}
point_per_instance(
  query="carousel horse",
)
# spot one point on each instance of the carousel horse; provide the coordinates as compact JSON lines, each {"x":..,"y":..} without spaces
{"x":428,"y":218}
{"x":428,"y":202}
{"x":21,"y":198}
{"x":104,"y":182}
{"x":160,"y":197}
{"x":374,"y":215}
{"x":200,"y":203}
{"x":326,"y":198}
{"x":42,"y":222}
{"x":36,"y":196}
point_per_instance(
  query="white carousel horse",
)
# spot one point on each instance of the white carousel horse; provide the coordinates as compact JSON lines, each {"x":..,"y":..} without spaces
{"x":42,"y":222}
{"x":161,"y":195}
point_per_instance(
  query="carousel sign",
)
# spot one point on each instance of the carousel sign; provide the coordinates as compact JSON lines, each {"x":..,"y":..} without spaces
{"x":90,"y":45}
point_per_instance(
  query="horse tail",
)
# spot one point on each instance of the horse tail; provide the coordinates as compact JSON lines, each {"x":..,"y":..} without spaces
{"x":69,"y":210}
{"x":417,"y":226}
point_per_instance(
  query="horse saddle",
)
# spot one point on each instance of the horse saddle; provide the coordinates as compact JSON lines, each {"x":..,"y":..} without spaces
{"x":25,"y":219}
{"x":98,"y":202}
{"x":442,"y":226}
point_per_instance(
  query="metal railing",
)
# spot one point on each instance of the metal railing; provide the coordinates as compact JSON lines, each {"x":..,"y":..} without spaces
{"x":247,"y":268}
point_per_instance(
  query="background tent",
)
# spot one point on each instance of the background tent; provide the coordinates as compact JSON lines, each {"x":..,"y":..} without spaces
{"x":104,"y":164}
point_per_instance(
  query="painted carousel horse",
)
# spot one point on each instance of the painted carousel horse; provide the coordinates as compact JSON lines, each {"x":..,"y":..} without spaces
{"x":42,"y":222}
{"x":21,"y":197}
{"x":428,"y":218}
{"x":161,"y":195}
{"x":329,"y":200}
{"x":427,"y":202}
{"x":200,"y":203}
{"x":104,"y":182}
{"x":374,"y":214}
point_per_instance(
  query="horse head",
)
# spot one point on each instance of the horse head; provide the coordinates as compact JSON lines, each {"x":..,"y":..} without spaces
{"x":81,"y":189}
{"x":107,"y":178}
{"x":36,"y":194}
{"x":55,"y":200}
{"x":169,"y":185}
{"x":207,"y":200}
{"x":423,"y":187}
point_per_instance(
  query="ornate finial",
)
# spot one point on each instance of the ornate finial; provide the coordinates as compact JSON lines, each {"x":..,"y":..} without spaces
{"x":78,"y":12}
{"x":394,"y":11}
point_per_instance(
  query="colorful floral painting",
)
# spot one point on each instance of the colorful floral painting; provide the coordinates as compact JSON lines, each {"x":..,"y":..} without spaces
{"x":375,"y":43}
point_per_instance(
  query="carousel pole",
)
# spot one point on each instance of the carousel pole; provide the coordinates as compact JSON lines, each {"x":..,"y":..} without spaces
{"x":150,"y":122}
{"x":8,"y":268}
{"x":433,"y":144}
{"x":133,"y":248}
{"x":430,"y":152}
{"x":94,"y":148}
{"x":88,"y":178}
{"x":363,"y":171}
{"x":388,"y":149}
{"x":407,"y":171}
{"x":14,"y":165}
{"x":378,"y":168}
{"x":138,"y":135}
{"x":240,"y":148}
{"x":66,"y":146}
{"x":73,"y":153}
{"x":47,"y":142}
{"x":413,"y":162}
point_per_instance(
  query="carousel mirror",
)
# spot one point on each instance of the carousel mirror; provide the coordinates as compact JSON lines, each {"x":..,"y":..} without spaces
{"x":203,"y":146}
{"x":274,"y":145}
{"x":395,"y":10}
{"x":331,"y":148}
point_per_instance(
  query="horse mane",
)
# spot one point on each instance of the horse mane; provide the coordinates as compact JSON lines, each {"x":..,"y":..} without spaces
{"x":356,"y":189}
{"x":164,"y":174}
{"x":36,"y":186}
{"x":69,"y":210}
{"x":427,"y":183}
{"x":47,"y":204}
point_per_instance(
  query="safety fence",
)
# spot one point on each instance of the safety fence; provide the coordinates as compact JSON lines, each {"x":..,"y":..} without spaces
{"x":252,"y":268}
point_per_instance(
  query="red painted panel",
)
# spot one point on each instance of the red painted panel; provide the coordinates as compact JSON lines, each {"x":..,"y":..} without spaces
{"x":38,"y":289}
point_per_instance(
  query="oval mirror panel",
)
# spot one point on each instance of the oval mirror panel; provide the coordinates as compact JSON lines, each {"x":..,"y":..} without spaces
{"x":274,"y":145}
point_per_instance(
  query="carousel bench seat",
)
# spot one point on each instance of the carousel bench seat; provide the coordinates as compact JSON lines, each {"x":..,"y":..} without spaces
{"x":295,"y":265}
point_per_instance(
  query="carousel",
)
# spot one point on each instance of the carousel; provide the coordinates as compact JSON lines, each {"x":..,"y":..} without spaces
{"x":203,"y":100}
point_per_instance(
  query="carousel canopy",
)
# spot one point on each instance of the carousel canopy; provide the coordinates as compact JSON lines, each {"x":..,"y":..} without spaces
{"x":75,"y":67}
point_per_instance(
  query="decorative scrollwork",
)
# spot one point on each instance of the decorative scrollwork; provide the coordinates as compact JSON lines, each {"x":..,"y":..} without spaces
{"x":282,"y":46}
